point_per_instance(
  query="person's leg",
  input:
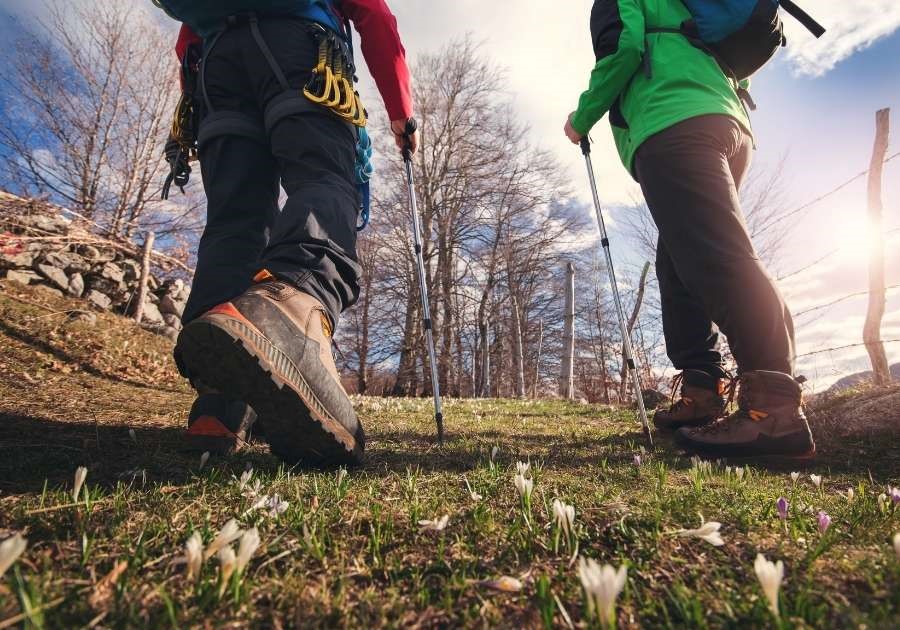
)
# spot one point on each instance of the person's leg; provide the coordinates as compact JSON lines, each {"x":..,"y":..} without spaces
{"x":271,"y":345}
{"x":692,"y":343}
{"x":313,"y":241}
{"x":686,"y":176}
{"x":692,"y":339}
{"x":240,"y":178}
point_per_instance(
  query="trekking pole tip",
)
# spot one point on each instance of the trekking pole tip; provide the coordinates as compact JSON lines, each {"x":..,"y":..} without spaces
{"x":585,"y":145}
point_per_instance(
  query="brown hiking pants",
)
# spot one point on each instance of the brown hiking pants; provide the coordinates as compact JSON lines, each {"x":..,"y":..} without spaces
{"x":710,"y":277}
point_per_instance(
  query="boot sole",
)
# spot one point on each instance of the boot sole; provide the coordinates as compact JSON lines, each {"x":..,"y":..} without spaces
{"x":746,"y":453}
{"x":231,"y":355}
{"x":207,"y":433}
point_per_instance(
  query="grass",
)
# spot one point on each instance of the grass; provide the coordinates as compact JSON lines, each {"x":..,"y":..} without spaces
{"x":348,"y":550}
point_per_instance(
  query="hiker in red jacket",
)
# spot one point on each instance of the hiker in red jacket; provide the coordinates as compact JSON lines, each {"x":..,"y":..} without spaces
{"x":274,"y":88}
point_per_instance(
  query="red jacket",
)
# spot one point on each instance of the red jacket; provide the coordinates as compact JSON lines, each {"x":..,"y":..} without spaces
{"x":381,"y":47}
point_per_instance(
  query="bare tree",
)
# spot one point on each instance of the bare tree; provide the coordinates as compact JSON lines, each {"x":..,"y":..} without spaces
{"x":90,"y":95}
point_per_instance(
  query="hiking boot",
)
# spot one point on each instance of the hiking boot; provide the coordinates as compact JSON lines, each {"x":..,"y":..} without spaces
{"x":769,"y":422}
{"x":271,"y":347}
{"x":702,"y":401}
{"x":219,"y":424}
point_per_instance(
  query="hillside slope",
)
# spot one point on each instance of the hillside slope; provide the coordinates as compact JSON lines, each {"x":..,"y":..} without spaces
{"x":347,"y":549}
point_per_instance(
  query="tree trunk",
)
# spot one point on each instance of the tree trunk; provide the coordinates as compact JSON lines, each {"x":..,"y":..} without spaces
{"x":406,"y":368}
{"x":567,"y":372}
{"x":145,"y":277}
{"x":623,"y":375}
{"x":537,"y":361}
{"x":877,"y":299}
{"x":518,"y":358}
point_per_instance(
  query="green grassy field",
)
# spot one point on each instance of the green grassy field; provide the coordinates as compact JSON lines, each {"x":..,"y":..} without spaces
{"x":347,"y":549}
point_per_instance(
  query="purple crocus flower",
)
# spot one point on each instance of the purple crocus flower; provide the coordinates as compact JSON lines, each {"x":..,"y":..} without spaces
{"x":637,"y":460}
{"x":824,"y":521}
{"x":895,"y":494}
{"x":782,"y":506}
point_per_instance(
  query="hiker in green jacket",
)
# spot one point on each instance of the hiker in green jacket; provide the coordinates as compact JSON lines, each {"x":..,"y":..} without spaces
{"x":683,"y":133}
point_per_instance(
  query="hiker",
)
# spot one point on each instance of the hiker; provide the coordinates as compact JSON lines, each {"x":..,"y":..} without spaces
{"x":682,"y":130}
{"x":273,"y":83}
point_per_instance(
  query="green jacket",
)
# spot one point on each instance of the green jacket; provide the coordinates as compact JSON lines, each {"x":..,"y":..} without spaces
{"x":649,"y":82}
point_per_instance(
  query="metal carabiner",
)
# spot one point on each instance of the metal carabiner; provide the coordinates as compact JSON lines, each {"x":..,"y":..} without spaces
{"x":327,"y":83}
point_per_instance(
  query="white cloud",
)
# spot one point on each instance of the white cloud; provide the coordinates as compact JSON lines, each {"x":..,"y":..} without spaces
{"x":850,"y":27}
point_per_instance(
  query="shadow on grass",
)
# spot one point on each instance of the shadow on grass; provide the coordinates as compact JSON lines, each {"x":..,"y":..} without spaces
{"x":62,"y":355}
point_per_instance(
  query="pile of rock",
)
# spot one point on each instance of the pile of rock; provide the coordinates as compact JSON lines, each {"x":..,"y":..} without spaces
{"x":39,"y":246}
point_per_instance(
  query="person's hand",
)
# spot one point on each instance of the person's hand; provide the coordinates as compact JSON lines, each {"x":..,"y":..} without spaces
{"x":398,"y":127}
{"x":573,"y":136}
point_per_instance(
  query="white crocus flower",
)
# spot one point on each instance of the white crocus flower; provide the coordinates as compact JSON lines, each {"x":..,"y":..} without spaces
{"x":247,"y":547}
{"x":896,"y":547}
{"x":524,"y":486}
{"x":10,"y":550}
{"x":472,"y":494}
{"x":341,"y":475}
{"x":523,"y":468}
{"x":494,"y":452}
{"x":203,"y":459}
{"x":276,"y":506}
{"x":434,"y":525}
{"x":245,"y":479}
{"x":816,"y":480}
{"x":80,"y":476}
{"x":253,"y":489}
{"x":227,"y":535}
{"x":707,"y":531}
{"x":193,"y":555}
{"x":770,"y":575}
{"x":882,"y":501}
{"x":564,"y":516}
{"x":739,"y":472}
{"x":132,"y":435}
{"x":795,"y":476}
{"x":227,"y":562}
{"x":602,"y":586}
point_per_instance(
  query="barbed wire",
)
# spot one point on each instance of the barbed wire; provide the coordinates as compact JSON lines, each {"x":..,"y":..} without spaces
{"x":851,"y":345}
{"x":841,"y":299}
{"x":821,"y":197}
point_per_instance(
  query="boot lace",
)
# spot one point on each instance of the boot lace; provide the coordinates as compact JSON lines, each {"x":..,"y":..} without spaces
{"x":741,"y":414}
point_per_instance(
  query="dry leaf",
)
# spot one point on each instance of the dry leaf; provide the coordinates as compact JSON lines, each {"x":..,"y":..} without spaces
{"x":104,"y":588}
{"x":505,"y":584}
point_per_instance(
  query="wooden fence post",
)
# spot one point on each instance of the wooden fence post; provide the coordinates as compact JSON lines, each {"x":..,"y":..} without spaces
{"x":567,"y":371}
{"x":877,"y":298}
{"x":145,"y":276}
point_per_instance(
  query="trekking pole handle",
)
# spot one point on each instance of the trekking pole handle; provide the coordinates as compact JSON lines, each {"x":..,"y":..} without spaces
{"x":585,"y":146}
{"x":408,"y":131}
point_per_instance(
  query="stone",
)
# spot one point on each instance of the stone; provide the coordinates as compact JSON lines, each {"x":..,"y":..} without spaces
{"x":48,"y":289}
{"x":67,"y":261}
{"x":171,"y":305}
{"x":45,"y":223}
{"x":171,"y":333}
{"x":132,"y":270}
{"x":152,"y":283}
{"x":22,"y":259}
{"x":151,"y":314}
{"x":112,"y":271}
{"x":22,"y":276}
{"x":116,"y":291}
{"x":98,"y":299}
{"x":85,"y":317}
{"x":90,"y":253}
{"x":76,"y":285}
{"x":172,"y":320}
{"x":55,"y":275}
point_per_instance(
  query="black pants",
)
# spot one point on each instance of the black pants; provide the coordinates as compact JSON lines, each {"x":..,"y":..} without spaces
{"x":257,"y":131}
{"x":710,"y":277}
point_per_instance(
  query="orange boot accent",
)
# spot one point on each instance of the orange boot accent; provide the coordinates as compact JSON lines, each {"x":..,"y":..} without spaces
{"x":209,"y":426}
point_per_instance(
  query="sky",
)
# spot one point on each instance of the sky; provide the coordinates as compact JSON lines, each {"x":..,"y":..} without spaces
{"x":815,"y":119}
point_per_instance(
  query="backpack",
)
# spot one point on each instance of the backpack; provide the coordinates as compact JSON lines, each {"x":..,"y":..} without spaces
{"x":741,"y":34}
{"x":205,"y":17}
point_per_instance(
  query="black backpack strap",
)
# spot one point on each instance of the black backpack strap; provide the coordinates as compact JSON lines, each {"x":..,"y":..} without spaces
{"x":803,"y":17}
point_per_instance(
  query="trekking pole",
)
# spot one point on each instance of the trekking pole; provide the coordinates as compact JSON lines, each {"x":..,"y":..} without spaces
{"x":410,"y":129}
{"x":626,"y":337}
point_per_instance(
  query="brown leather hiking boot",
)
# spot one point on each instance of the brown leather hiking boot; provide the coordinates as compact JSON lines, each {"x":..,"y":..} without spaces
{"x":702,"y":401}
{"x":219,"y":424}
{"x":271,"y":347}
{"x":769,"y":423}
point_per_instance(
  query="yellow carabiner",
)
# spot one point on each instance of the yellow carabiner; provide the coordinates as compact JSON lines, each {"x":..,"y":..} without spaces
{"x":348,"y":107}
{"x":362,"y":117}
{"x":327,"y":85}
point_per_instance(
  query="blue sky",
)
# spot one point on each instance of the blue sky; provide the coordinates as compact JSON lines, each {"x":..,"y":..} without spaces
{"x":816,"y":109}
